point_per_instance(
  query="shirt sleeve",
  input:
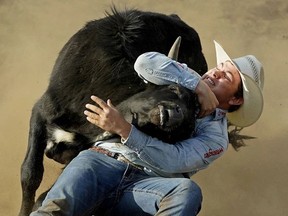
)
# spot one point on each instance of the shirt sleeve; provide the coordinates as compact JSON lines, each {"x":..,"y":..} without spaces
{"x":209,"y":143}
{"x":159,"y":69}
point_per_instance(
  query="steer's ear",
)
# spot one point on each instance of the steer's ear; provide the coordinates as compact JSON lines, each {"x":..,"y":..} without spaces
{"x":173,"y":53}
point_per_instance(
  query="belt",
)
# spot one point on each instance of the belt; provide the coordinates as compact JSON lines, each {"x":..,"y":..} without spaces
{"x":114,"y":155}
{"x":106,"y":152}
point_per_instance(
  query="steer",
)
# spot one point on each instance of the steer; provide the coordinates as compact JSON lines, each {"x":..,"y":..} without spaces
{"x":99,"y":60}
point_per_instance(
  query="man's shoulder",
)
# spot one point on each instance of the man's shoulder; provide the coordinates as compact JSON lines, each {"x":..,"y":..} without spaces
{"x":210,"y":124}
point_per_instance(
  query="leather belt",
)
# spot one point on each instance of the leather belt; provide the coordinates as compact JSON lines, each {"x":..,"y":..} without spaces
{"x":114,"y":155}
{"x":105,"y":151}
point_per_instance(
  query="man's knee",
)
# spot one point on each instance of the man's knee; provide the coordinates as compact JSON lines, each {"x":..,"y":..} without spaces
{"x":195,"y":195}
{"x":189,"y":187}
{"x":192,"y":195}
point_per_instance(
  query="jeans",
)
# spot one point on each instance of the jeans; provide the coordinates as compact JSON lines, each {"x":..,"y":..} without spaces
{"x":95,"y":184}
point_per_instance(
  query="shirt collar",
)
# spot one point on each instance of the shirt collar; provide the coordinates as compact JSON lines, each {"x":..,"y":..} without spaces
{"x":219,"y":114}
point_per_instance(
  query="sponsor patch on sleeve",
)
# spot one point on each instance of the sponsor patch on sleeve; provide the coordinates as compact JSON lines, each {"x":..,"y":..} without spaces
{"x":213,"y":152}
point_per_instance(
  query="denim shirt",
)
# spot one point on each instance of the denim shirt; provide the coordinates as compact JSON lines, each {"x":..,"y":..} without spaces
{"x":158,"y":158}
{"x":184,"y":158}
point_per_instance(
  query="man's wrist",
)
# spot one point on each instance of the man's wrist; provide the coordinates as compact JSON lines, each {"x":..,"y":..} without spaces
{"x":125,"y":130}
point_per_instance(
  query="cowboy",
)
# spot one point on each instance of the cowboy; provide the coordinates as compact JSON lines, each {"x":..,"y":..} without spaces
{"x":154,"y":178}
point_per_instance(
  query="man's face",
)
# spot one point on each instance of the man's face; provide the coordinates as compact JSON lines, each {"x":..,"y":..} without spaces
{"x":223,"y":81}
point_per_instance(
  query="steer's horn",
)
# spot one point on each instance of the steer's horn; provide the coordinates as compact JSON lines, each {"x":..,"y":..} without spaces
{"x":173,"y":53}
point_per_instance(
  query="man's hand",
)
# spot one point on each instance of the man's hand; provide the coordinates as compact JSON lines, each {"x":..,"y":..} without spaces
{"x":206,"y":98}
{"x":107,"y":117}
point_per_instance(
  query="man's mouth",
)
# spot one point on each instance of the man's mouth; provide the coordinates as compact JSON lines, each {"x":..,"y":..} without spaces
{"x":210,"y":81}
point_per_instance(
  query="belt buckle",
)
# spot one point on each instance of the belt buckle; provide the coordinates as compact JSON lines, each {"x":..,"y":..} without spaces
{"x":115,"y":155}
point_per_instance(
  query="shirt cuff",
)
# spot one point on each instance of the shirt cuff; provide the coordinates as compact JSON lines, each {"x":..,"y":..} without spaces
{"x":194,"y":83}
{"x":136,"y":140}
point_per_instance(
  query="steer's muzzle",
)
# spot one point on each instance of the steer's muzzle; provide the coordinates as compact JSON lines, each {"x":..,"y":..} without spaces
{"x":166,"y":117}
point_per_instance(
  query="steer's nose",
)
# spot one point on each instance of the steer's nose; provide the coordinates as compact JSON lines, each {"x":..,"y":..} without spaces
{"x":167,"y":116}
{"x":174,"y":116}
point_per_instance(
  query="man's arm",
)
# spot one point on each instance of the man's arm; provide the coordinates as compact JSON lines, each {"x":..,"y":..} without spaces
{"x":192,"y":154}
{"x":161,"y":70}
{"x":185,"y":156}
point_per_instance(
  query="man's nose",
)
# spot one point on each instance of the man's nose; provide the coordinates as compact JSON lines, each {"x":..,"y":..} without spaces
{"x":218,"y":74}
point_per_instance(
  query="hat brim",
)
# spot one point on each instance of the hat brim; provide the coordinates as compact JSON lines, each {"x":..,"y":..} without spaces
{"x":250,"y":111}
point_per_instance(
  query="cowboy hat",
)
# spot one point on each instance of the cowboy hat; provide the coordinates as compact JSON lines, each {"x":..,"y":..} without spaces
{"x":252,"y":76}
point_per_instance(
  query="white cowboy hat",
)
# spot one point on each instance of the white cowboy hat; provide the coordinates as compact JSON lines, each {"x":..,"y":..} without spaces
{"x":252,"y":76}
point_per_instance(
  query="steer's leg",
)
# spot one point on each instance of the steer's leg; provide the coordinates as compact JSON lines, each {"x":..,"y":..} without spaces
{"x":32,"y":168}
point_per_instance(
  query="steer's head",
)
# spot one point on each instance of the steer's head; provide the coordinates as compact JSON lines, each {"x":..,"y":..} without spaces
{"x":165,"y":112}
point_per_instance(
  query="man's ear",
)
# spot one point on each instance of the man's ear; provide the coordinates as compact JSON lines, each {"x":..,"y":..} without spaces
{"x":236,"y":101}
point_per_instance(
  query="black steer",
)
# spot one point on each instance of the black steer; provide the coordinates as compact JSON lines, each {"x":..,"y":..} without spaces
{"x":99,"y":60}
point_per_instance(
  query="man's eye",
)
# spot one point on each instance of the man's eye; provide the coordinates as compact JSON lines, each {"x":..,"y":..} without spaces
{"x":228,"y":76}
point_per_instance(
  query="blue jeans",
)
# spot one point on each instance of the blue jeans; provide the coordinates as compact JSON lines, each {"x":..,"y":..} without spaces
{"x":94,"y":182}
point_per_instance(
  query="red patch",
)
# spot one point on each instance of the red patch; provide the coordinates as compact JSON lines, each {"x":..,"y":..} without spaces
{"x":212,"y":153}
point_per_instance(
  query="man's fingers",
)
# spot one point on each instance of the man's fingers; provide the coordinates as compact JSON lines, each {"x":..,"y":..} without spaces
{"x":91,"y":120}
{"x":93,"y":108}
{"x":91,"y":115}
{"x":99,"y":101}
{"x":110,"y":103}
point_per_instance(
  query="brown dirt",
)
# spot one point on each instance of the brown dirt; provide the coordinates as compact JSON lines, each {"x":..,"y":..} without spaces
{"x":250,"y":182}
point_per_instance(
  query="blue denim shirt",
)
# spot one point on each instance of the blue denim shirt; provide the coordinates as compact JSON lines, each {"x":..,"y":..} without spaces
{"x":208,"y":142}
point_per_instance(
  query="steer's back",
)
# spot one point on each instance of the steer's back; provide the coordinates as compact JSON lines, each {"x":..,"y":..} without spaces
{"x":99,"y":59}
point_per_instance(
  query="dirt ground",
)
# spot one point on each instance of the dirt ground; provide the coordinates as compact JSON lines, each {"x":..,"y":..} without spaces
{"x":253,"y":181}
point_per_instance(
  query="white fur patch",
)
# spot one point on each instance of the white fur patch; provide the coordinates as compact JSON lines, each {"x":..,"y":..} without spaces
{"x":62,"y":136}
{"x":50,"y":144}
